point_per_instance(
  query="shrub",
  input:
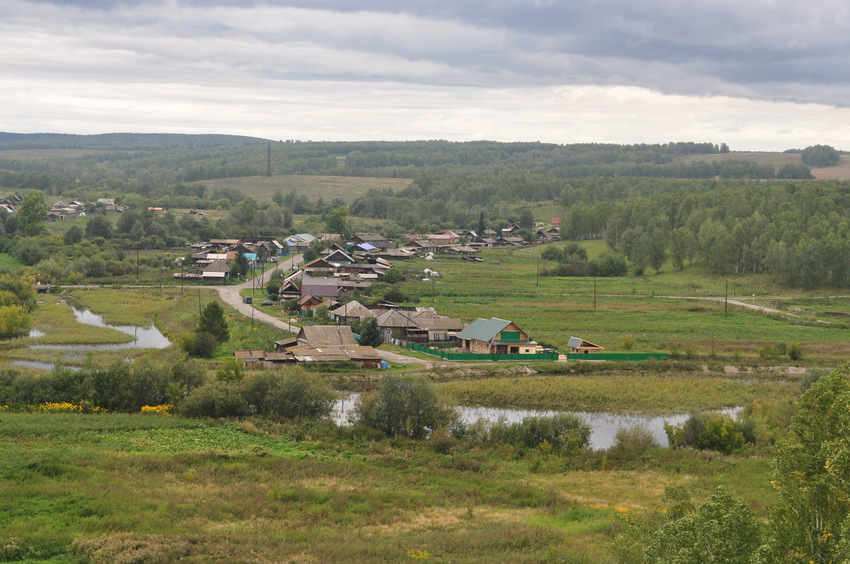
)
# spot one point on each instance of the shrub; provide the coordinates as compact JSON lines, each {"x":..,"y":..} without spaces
{"x":628,"y":342}
{"x":712,"y":431}
{"x":634,"y":439}
{"x":297,"y":395}
{"x":564,"y":432}
{"x":214,"y":400}
{"x":403,"y":406}
{"x":795,"y":352}
{"x":199,"y":345}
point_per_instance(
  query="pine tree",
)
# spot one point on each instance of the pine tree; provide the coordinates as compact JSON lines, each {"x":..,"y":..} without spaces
{"x":213,"y":322}
{"x":370,"y":335}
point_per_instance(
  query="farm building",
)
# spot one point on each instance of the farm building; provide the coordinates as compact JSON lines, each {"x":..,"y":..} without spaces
{"x":578,"y":345}
{"x":495,"y":336}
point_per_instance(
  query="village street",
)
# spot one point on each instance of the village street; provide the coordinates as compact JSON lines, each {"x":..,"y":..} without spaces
{"x":231,"y":296}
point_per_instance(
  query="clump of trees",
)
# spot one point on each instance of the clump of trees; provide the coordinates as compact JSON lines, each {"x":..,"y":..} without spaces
{"x":212,"y":330}
{"x":711,"y":431}
{"x":572,"y":261}
{"x":289,"y":394}
{"x":403,"y":406}
{"x":820,"y":156}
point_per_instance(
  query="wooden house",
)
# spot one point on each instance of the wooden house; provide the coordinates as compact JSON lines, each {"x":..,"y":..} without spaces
{"x":217,"y":270}
{"x":495,"y":336}
{"x":351,"y":312}
{"x":320,"y":287}
{"x":577,"y":345}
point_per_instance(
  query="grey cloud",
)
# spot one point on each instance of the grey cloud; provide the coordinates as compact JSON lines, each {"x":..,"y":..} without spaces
{"x":766,"y":50}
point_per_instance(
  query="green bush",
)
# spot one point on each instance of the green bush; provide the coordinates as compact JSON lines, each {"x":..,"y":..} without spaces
{"x":795,"y":352}
{"x":199,"y":345}
{"x":564,"y":432}
{"x":713,"y":431}
{"x":215,"y":400}
{"x":403,"y":406}
{"x":637,"y":438}
{"x":297,"y":395}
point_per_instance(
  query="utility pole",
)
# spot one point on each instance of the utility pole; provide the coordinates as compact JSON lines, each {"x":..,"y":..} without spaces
{"x":726,"y":302}
{"x":594,"y":292}
{"x":269,"y":160}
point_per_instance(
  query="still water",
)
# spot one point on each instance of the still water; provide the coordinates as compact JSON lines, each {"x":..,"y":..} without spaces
{"x":603,"y":425}
{"x":143,"y":337}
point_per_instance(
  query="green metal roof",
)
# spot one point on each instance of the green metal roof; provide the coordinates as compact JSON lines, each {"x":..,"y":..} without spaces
{"x":484,"y":329}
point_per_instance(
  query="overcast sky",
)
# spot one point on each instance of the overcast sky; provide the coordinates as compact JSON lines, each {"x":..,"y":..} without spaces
{"x":756,"y":74}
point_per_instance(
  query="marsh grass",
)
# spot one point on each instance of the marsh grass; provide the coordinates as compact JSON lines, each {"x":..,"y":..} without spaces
{"x":633,"y":392}
{"x":56,"y":319}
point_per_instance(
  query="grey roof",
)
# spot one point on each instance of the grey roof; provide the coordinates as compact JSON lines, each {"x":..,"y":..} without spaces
{"x":322,"y":287}
{"x":484,"y":329}
{"x":219,"y":266}
{"x":395,"y":318}
{"x":321,"y":335}
{"x":353,"y":309}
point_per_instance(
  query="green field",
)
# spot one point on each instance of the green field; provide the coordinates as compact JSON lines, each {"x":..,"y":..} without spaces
{"x":142,"y":488}
{"x":651,"y":309}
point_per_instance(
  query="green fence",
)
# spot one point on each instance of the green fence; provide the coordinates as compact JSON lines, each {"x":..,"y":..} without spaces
{"x":617,"y":356}
{"x":447,"y":355}
{"x":479,"y":357}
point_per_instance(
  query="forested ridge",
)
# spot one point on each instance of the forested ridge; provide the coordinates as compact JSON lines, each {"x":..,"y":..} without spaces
{"x":650,"y":203}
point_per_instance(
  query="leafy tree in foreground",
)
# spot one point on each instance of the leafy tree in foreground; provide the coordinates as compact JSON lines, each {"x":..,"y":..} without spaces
{"x":213,"y":322}
{"x":812,"y":475}
{"x":723,"y":530}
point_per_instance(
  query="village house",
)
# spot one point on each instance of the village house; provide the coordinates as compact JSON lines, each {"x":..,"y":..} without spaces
{"x":373,"y":239}
{"x":495,"y":336}
{"x":324,"y":335}
{"x":351,"y":312}
{"x":577,"y":345}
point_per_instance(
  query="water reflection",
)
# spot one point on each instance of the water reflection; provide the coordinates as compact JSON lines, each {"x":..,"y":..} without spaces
{"x":143,"y":337}
{"x":604,"y":425}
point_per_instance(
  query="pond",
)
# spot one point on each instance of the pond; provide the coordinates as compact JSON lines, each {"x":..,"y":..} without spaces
{"x":603,"y":425}
{"x":143,"y":338}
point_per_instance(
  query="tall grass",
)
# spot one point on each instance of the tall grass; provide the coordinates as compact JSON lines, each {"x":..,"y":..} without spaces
{"x":108,"y":488}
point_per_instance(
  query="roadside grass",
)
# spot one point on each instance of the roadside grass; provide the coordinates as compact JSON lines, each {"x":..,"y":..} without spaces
{"x":109,"y":487}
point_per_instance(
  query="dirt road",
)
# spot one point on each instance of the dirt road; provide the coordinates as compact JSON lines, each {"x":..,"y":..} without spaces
{"x":230,"y":295}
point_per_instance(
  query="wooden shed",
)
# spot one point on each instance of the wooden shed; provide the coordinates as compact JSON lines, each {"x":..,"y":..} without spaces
{"x":577,"y":345}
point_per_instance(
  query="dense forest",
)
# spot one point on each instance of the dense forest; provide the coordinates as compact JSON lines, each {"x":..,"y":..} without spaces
{"x":650,"y":203}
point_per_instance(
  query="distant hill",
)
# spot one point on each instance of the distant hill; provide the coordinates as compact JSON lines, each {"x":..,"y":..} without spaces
{"x":123,"y":141}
